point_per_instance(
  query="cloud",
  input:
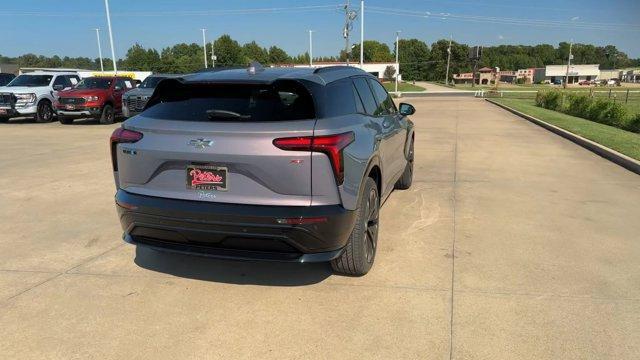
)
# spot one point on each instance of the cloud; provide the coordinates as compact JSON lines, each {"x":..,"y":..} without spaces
{"x":501,"y":37}
{"x":575,"y":18}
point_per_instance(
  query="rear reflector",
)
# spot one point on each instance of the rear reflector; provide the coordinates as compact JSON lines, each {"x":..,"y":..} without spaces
{"x":119,"y":136}
{"x":332,"y":145}
{"x":302,"y":221}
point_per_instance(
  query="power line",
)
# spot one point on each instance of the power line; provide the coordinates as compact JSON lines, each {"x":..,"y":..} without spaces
{"x":247,"y":11}
{"x":506,"y":21}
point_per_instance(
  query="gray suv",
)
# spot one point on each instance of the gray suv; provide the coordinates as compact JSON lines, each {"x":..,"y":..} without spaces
{"x":282,"y":164}
{"x":133,"y":101}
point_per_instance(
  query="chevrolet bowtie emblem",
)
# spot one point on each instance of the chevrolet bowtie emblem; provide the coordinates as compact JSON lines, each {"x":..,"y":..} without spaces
{"x":200,"y":143}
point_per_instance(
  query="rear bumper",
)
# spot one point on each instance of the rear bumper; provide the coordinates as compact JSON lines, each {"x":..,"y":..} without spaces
{"x":233,"y":230}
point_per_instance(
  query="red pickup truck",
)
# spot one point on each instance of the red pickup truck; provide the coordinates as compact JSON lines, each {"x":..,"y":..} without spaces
{"x":97,"y":97}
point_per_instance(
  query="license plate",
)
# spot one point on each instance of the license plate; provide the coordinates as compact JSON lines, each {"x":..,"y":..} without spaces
{"x":3,"y":111}
{"x":206,"y":177}
{"x":70,"y":107}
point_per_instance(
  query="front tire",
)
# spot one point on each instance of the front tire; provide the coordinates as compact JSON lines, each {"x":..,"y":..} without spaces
{"x":65,"y":120}
{"x":407,"y":176}
{"x":108,"y":115}
{"x":44,"y":113}
{"x":360,"y":252}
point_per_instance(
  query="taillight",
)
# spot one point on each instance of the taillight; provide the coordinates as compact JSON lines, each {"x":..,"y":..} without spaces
{"x":332,"y":145}
{"x":120,"y":136}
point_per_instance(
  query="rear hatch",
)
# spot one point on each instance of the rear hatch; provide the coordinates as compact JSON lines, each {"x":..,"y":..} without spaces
{"x":214,"y":142}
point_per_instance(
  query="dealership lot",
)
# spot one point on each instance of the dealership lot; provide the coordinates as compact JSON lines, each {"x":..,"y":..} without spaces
{"x":512,"y":243}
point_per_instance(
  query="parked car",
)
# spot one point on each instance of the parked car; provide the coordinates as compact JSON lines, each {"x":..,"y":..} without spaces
{"x":33,"y":94}
{"x":613,"y":82}
{"x":6,"y":78}
{"x":134,"y":101}
{"x":276,"y":164}
{"x":586,"y":82}
{"x":96,"y":97}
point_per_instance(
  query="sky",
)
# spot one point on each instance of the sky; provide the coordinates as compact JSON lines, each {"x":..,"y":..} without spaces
{"x":64,"y":27}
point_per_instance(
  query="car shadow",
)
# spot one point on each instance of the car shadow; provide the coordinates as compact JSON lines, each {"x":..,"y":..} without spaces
{"x":232,"y":272}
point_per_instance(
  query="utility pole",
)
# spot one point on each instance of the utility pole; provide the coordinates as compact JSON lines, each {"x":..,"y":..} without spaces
{"x":310,"y":48}
{"x":99,"y":49}
{"x":397,"y":57}
{"x":361,"y":34}
{"x":113,"y":52}
{"x":446,"y":79}
{"x":566,"y":81}
{"x":213,"y":55}
{"x":349,"y":16}
{"x":204,"y":46}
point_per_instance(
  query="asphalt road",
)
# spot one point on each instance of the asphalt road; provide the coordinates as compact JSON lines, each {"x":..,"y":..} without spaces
{"x":513,"y":243}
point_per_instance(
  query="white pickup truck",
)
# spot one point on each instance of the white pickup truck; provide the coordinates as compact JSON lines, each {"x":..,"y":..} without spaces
{"x":34,"y":94}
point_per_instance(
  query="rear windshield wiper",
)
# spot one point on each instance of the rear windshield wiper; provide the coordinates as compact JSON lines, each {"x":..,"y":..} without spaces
{"x":225,"y":114}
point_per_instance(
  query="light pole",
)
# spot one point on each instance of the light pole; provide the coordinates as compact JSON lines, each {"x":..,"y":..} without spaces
{"x":310,"y":48}
{"x":113,"y":52}
{"x":446,"y":79}
{"x":397,"y":53}
{"x":361,"y":34}
{"x":99,"y":49}
{"x":204,"y":46}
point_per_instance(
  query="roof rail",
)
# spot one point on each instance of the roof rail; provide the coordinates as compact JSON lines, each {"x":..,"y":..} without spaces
{"x":337,"y":67}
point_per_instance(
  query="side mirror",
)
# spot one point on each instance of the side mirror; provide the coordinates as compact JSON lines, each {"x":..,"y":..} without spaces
{"x":58,"y":87}
{"x":407,"y":109}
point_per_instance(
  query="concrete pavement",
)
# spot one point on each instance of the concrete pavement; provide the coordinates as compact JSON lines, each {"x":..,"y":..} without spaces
{"x":512,"y":243}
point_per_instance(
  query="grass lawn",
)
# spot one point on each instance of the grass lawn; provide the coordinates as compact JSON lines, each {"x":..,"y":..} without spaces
{"x":622,"y":141}
{"x":402,"y":86}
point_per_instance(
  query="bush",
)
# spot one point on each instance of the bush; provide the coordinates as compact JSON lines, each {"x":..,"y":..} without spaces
{"x":633,"y":124}
{"x":600,"y":110}
{"x":578,"y":105}
{"x":606,"y":112}
{"x":551,"y":100}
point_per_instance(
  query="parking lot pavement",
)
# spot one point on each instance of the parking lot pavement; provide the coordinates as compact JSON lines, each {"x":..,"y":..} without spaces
{"x":512,"y":243}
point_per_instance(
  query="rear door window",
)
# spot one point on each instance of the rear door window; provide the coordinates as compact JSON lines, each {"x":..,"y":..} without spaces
{"x":339,"y":99}
{"x":283,"y":100}
{"x":366,"y":96}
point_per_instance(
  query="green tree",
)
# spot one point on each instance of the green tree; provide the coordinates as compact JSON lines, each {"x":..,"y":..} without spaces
{"x":254,"y":52}
{"x":413,"y":58}
{"x":436,"y":69}
{"x":139,"y":58}
{"x":228,"y":52}
{"x":278,"y":56}
{"x":374,"y":51}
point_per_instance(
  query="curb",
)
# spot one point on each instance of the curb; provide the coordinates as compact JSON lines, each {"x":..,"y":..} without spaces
{"x":609,"y":154}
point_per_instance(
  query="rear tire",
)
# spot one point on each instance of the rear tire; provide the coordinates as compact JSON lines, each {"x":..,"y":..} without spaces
{"x":65,"y":120}
{"x":359,"y":253}
{"x":407,"y":176}
{"x":44,"y":114}
{"x":108,"y":116}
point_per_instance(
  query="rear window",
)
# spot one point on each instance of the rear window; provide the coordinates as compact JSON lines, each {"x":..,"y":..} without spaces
{"x":283,"y":100}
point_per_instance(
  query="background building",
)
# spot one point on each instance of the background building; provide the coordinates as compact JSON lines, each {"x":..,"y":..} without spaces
{"x":577,"y":73}
{"x":9,"y":69}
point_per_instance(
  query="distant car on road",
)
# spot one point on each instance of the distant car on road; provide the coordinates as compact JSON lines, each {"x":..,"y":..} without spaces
{"x":284,"y":164}
{"x":96,"y":97}
{"x":6,"y":78}
{"x":33,"y":94}
{"x":135,"y":100}
{"x":586,"y":82}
